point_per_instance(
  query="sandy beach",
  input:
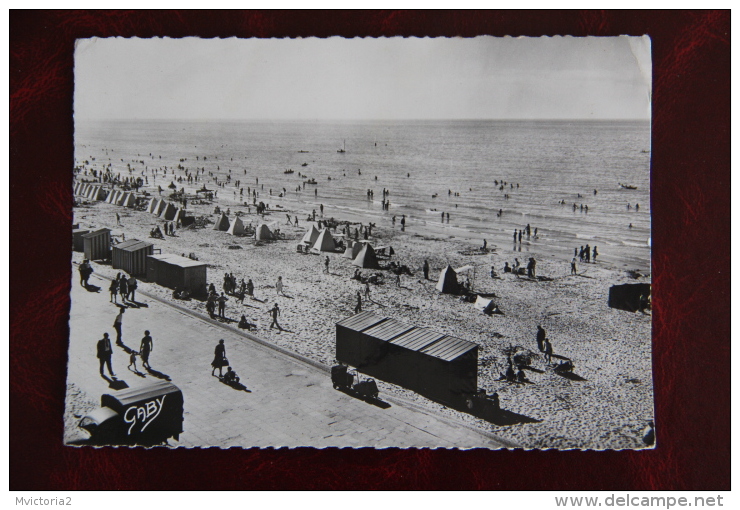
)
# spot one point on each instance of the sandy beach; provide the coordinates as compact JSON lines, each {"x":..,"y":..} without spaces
{"x":606,"y":407}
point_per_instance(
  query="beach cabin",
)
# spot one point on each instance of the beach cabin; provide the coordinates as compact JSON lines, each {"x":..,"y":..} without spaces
{"x":131,"y":256}
{"x":174,"y":271}
{"x":77,"y":241}
{"x":437,"y":366}
{"x":96,"y":245}
{"x":627,"y":297}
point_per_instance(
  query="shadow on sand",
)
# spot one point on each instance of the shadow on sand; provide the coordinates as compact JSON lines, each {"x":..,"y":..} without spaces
{"x":92,"y":288}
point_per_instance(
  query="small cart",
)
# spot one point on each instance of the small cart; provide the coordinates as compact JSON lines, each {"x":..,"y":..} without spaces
{"x":344,"y":379}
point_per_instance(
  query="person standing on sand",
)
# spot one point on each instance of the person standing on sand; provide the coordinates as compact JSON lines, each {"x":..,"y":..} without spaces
{"x":118,"y":219}
{"x":515,"y":235}
{"x":250,"y":287}
{"x":358,"y":306}
{"x":279,"y":285}
{"x":326,"y":264}
{"x":548,"y":350}
{"x":426,"y":269}
{"x":595,"y":253}
{"x":403,"y":222}
{"x":367,"y":291}
{"x":573,"y":268}
{"x":275,"y":312}
{"x":541,"y":336}
{"x":222,"y":305}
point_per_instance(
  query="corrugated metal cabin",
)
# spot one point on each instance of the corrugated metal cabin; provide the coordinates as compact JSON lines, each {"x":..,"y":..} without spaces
{"x":131,"y":256}
{"x":439,"y":367}
{"x":174,"y":271}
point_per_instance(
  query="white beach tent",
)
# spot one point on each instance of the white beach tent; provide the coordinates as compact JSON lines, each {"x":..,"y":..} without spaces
{"x":366,"y":258}
{"x":310,"y":236}
{"x":447,"y":282}
{"x":237,"y":227}
{"x":152,"y":205}
{"x":486,"y":306}
{"x":128,"y":200}
{"x":222,"y":223}
{"x":263,"y":233}
{"x":325,"y":242}
{"x":160,"y":208}
{"x":169,"y":212}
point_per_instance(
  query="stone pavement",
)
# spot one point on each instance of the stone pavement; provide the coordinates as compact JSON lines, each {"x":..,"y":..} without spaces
{"x":291,"y":403}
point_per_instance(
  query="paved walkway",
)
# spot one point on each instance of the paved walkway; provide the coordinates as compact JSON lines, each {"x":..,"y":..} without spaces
{"x":291,"y":403}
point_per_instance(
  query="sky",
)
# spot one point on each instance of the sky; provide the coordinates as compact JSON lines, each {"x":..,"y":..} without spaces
{"x":363,"y":79}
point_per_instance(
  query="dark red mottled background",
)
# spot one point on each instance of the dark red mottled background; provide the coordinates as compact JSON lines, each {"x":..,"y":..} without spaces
{"x":691,"y":265}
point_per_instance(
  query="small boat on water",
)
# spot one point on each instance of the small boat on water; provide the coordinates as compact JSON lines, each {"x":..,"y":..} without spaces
{"x":626,"y":186}
{"x":342,"y":151}
{"x":288,"y":171}
{"x":310,"y":181}
{"x":303,"y":152}
{"x":304,"y":164}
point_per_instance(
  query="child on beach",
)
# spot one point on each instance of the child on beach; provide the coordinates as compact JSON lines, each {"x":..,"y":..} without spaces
{"x":132,"y":361}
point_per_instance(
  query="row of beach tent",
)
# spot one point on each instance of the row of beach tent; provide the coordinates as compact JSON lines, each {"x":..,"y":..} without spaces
{"x":361,"y":252}
{"x":165,"y":210}
{"x":90,"y":191}
{"x":236,"y":227}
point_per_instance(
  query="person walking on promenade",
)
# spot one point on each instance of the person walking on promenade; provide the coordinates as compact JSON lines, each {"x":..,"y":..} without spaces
{"x":132,"y":285}
{"x":275,"y":312}
{"x":118,"y":325}
{"x":123,"y":288}
{"x":279,"y":285}
{"x":358,"y":306}
{"x":426,"y":269}
{"x":132,"y":361}
{"x":85,"y":271}
{"x":219,"y":359}
{"x":222,"y":305}
{"x":113,"y":291}
{"x":105,"y":352}
{"x":326,"y":264}
{"x":147,"y":346}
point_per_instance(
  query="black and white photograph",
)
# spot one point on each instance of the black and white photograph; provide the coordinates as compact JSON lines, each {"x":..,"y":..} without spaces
{"x":366,"y":242}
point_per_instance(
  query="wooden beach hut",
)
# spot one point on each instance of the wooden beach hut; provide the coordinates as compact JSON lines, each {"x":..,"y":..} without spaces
{"x":174,"y":271}
{"x":131,"y":256}
{"x":437,"y":366}
{"x":96,"y":245}
{"x":77,"y":240}
{"x":627,"y":296}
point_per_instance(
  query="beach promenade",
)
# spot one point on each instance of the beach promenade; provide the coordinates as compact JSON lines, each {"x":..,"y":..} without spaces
{"x":290,"y":402}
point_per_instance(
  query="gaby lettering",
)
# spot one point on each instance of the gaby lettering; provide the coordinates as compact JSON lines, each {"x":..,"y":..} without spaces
{"x":143,"y":415}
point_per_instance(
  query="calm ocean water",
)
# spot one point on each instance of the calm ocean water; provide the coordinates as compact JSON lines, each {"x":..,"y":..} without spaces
{"x":549,"y":160}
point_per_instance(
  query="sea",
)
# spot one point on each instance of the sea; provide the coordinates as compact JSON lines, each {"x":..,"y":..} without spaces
{"x":491,"y":177}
